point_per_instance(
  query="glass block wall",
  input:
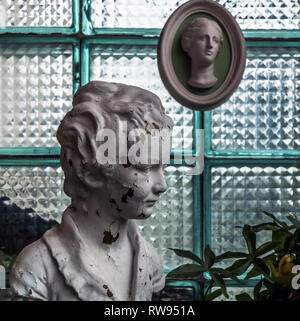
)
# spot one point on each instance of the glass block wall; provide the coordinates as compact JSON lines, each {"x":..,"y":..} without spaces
{"x":49,"y":48}
{"x":36,"y":13}
{"x":36,"y":92}
{"x":136,"y":14}
{"x":132,"y":64}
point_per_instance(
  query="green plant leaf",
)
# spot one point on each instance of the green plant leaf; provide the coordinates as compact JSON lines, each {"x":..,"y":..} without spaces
{"x":280,"y":237}
{"x":250,"y":238}
{"x":270,"y":261}
{"x":225,"y":273}
{"x":262,"y":267}
{"x":187,"y":271}
{"x":253,"y":273}
{"x":213,"y":295}
{"x":239,"y":266}
{"x":263,"y":295}
{"x":230,"y":255}
{"x":270,"y":286}
{"x":220,"y":282}
{"x":243,"y":297}
{"x":283,"y":224}
{"x":256,"y":290}
{"x":294,"y":221}
{"x":266,"y":227}
{"x":209,"y":256}
{"x":289,"y":243}
{"x":266,"y":247}
{"x":187,"y":254}
{"x":297,"y":235}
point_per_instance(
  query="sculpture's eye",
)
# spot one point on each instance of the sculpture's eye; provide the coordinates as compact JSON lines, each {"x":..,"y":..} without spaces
{"x":216,"y":39}
{"x":201,"y":37}
{"x":143,"y":167}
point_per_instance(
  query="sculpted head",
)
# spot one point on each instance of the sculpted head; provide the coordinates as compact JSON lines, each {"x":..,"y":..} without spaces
{"x":95,"y":138}
{"x":202,"y":40}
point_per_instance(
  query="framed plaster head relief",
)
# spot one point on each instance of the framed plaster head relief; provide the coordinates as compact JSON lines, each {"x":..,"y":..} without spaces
{"x":201,"y":54}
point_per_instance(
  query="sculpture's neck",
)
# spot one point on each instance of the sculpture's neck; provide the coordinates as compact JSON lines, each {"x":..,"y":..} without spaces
{"x":98,"y":224}
{"x":202,"y":76}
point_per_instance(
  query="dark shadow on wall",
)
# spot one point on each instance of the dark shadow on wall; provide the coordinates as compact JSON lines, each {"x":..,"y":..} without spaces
{"x":18,"y":227}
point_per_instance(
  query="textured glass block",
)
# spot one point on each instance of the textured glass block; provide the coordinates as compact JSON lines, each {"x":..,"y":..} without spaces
{"x":32,"y":200}
{"x":264,"y":112}
{"x":137,"y":65}
{"x":232,"y":292}
{"x":132,"y":13}
{"x":264,"y":14}
{"x":171,"y":225}
{"x":36,"y":13}
{"x":240,"y":194}
{"x":171,"y":293}
{"x":250,"y":15}
{"x":36,"y":89}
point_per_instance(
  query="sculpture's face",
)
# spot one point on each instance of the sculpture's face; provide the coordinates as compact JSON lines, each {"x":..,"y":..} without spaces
{"x":134,"y":189}
{"x":205,"y":44}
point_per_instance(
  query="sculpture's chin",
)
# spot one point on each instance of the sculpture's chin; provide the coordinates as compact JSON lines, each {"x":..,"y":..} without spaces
{"x":145,"y":214}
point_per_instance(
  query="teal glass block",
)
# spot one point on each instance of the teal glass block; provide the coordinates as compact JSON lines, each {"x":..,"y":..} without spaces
{"x":232,"y":292}
{"x":264,"y":14}
{"x":137,"y":65}
{"x":132,"y":13}
{"x":238,"y":193}
{"x":263,"y":115}
{"x":144,"y":14}
{"x":36,"y":91}
{"x":31,"y":191}
{"x":32,"y":200}
{"x":171,"y":224}
{"x":36,"y":13}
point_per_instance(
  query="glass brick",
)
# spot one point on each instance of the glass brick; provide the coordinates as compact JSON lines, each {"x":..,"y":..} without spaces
{"x":240,"y":194}
{"x":232,"y":292}
{"x":32,"y":200}
{"x":250,"y":15}
{"x":264,"y":14}
{"x":264,"y":112}
{"x":171,"y":225}
{"x":137,"y":65}
{"x":132,"y":13}
{"x":36,"y":89}
{"x":36,"y":13}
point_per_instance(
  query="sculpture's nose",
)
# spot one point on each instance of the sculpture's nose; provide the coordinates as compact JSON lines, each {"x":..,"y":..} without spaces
{"x":159,"y":182}
{"x":209,"y":42}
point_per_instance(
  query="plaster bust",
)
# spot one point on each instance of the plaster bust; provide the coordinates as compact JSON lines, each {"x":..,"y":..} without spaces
{"x":201,"y":40}
{"x":97,"y":251}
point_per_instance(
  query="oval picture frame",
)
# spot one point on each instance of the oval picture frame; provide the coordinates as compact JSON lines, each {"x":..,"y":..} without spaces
{"x":237,"y":55}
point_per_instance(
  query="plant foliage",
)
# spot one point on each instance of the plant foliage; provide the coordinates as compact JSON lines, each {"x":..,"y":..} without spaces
{"x":271,"y":263}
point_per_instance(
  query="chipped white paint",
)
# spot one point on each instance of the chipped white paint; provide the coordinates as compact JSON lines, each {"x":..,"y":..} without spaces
{"x":97,"y":252}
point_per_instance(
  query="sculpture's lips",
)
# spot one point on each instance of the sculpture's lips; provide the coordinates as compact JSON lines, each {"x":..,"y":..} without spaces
{"x":151,"y":202}
{"x":208,"y":52}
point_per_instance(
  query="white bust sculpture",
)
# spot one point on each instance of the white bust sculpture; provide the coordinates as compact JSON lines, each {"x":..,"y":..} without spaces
{"x":97,"y":252}
{"x":201,"y":40}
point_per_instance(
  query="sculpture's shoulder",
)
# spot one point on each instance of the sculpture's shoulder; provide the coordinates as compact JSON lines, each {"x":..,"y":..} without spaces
{"x":29,"y":275}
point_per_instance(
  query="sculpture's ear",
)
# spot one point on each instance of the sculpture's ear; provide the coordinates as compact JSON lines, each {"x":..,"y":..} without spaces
{"x":77,"y":170}
{"x":94,"y":176}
